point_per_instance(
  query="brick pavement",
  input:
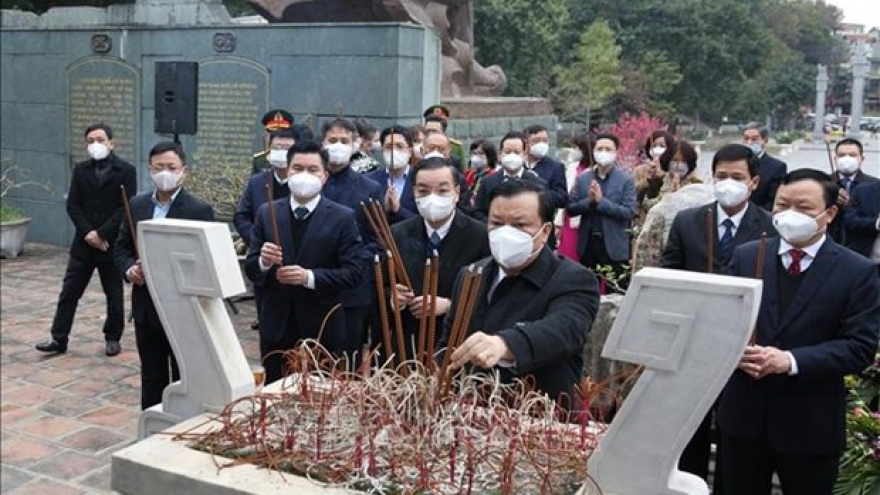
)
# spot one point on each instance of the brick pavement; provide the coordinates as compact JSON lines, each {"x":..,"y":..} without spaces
{"x":62,"y":417}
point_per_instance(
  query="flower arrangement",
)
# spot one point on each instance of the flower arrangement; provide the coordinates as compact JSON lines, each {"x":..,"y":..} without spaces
{"x":860,"y":464}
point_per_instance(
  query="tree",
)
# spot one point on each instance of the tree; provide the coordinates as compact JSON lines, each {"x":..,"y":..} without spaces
{"x":594,"y":76}
{"x":524,"y":38}
{"x":648,"y":83}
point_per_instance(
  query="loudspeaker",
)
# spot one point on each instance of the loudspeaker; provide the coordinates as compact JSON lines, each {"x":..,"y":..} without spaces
{"x":177,"y":94}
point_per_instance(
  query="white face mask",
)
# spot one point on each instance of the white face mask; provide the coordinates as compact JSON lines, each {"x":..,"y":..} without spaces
{"x":730,"y":193}
{"x":757,"y":148}
{"x":98,"y":151}
{"x":304,"y":185}
{"x":539,"y":150}
{"x":478,"y":161}
{"x":512,"y":162}
{"x":847,"y":165}
{"x":510,"y":246}
{"x":356,"y":145}
{"x":435,"y":207}
{"x":678,"y":168}
{"x":417,"y":150}
{"x":166,"y":180}
{"x":278,"y":158}
{"x":396,"y":159}
{"x":434,"y":154}
{"x":576,"y":156}
{"x":605,"y":158}
{"x":340,"y":153}
{"x":794,"y":226}
{"x":657,"y":151}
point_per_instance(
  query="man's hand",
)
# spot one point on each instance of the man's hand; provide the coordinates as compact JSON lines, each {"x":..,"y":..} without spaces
{"x":420,"y":305}
{"x":482,"y":350}
{"x":135,"y":273}
{"x":392,"y":204}
{"x":759,"y":361}
{"x":94,"y":239}
{"x":271,"y":254}
{"x":404,"y":297}
{"x":842,"y":198}
{"x":595,"y":193}
{"x":292,"y":275}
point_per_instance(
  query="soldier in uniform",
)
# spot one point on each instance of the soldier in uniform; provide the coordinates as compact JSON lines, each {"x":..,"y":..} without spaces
{"x":455,"y":147}
{"x":272,"y":121}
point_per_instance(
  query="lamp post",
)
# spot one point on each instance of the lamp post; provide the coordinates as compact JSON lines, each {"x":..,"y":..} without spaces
{"x":819,"y":115}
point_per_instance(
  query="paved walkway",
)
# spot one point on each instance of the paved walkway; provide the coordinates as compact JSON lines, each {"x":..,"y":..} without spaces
{"x":63,"y":417}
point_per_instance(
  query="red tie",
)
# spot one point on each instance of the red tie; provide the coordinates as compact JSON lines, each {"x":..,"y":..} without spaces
{"x":796,"y":256}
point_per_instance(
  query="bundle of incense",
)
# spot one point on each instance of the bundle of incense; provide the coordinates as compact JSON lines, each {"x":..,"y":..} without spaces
{"x":130,"y":221}
{"x":432,"y":309}
{"x":383,"y":311}
{"x":423,"y":318}
{"x":759,"y":274}
{"x":270,"y":201}
{"x":375,"y":215}
{"x":461,"y":321}
{"x":398,"y":321}
{"x":710,"y":241}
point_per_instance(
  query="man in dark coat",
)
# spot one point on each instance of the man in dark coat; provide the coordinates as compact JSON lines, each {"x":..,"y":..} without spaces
{"x":159,"y":367}
{"x":94,"y":203}
{"x":534,"y":309}
{"x":771,"y":170}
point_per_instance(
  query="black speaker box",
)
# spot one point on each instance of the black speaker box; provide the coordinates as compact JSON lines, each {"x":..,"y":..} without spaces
{"x":177,"y":94}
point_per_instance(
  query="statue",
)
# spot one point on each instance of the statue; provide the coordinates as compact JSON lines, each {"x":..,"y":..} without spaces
{"x":452,"y":20}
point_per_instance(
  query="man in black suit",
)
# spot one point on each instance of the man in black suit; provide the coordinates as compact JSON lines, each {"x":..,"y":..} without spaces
{"x":513,"y":148}
{"x":771,"y":170}
{"x":94,"y":203}
{"x":458,"y":239}
{"x":319,"y":257}
{"x":394,"y":178}
{"x":351,"y":189}
{"x":735,"y":222}
{"x":167,"y":163}
{"x":534,"y":309}
{"x":849,"y":156}
{"x":862,"y":220}
{"x":783,"y":408}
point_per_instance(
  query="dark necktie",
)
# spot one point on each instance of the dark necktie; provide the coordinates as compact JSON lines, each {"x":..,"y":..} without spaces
{"x":300,"y":212}
{"x":846,"y":184}
{"x":796,"y":256}
{"x":435,"y":241}
{"x":726,"y":241}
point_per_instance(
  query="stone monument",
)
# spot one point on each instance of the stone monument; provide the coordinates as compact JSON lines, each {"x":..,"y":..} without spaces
{"x":190,"y":267}
{"x":452,"y":20}
{"x":860,"y":66}
{"x":819,"y":114}
{"x":689,"y":331}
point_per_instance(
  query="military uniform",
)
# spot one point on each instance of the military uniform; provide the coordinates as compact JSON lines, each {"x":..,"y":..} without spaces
{"x":272,"y":121}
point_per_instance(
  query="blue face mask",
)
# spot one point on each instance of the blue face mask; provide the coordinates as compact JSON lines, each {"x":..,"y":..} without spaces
{"x":756,"y":148}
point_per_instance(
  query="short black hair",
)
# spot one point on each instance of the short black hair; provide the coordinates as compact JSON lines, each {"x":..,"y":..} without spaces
{"x":166,"y":146}
{"x":436,"y":118}
{"x":339,"y":123}
{"x":682,"y":149}
{"x":397,"y":129}
{"x":434,"y":163}
{"x":308,"y":146}
{"x":515,"y":187}
{"x":733,"y":153}
{"x":853,"y":141}
{"x":99,"y":126}
{"x":364,"y":128}
{"x":829,"y":188}
{"x":513,"y":135}
{"x":302,"y":131}
{"x":430,"y":110}
{"x":761,"y":128}
{"x":489,"y":149}
{"x":534,"y":129}
{"x":667,"y":136}
{"x":607,"y":135}
{"x":283,"y":134}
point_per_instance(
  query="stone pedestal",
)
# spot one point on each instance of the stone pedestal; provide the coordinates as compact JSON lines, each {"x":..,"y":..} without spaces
{"x":492,"y":117}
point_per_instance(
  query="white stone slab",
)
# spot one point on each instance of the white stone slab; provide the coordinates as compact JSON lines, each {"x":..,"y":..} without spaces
{"x":689,"y":330}
{"x":190,"y":267}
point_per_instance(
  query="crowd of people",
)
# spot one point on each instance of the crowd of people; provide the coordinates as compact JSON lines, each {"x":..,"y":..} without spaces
{"x":540,"y":232}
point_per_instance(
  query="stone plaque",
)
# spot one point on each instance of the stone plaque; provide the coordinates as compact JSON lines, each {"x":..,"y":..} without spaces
{"x":233,"y":95}
{"x":103,"y":89}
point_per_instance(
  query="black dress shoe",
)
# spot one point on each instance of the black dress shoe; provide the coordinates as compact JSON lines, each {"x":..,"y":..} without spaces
{"x":255,"y":325}
{"x":52,"y":346}
{"x":112,"y":348}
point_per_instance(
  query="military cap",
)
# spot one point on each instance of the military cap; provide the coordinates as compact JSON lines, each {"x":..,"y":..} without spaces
{"x":277,"y":119}
{"x":434,"y":108}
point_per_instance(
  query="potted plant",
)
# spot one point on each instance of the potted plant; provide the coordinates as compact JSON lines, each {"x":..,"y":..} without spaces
{"x":860,"y":464}
{"x":13,"y":223}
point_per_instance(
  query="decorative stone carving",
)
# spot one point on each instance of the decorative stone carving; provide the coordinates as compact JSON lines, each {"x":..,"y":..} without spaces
{"x":190,"y":267}
{"x":452,"y":20}
{"x":688,"y":330}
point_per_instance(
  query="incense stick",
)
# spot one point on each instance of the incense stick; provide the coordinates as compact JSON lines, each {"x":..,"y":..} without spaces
{"x":383,"y":311}
{"x":432,"y":323}
{"x":423,"y":318}
{"x":398,"y":322}
{"x":710,"y":241}
{"x":270,"y":201}
{"x":759,"y":274}
{"x":128,"y":218}
{"x":830,"y":159}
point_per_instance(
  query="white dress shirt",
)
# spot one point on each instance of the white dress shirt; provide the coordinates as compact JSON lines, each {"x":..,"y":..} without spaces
{"x":294,"y":204}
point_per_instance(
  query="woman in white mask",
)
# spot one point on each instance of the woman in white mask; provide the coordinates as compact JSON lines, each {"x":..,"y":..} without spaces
{"x":483,"y":161}
{"x":581,"y":161}
{"x":677,"y":165}
{"x":649,"y":175}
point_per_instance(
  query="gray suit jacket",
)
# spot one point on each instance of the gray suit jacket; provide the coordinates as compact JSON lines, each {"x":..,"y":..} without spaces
{"x":615,"y":212}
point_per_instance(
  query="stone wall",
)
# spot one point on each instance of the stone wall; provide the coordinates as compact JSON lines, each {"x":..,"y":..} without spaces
{"x":492,"y":118}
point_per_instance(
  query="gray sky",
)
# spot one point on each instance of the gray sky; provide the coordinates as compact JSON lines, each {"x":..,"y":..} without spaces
{"x":859,"y":11}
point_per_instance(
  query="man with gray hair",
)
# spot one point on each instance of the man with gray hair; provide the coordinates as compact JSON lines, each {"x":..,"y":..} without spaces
{"x":771,"y":170}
